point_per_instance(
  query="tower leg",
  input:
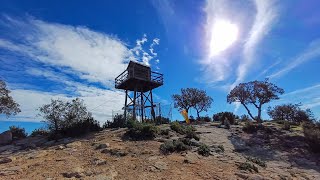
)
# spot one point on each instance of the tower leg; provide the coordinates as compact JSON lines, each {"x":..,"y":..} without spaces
{"x":134,"y":103}
{"x":152,"y":107}
{"x":142,"y":106}
{"x":125,"y":105}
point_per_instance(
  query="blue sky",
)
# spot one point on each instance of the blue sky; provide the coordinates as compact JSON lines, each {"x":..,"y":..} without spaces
{"x":50,"y":49}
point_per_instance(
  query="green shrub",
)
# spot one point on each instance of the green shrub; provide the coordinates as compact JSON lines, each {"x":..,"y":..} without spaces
{"x":222,"y":116}
{"x":257,"y":161}
{"x":204,"y":150}
{"x":181,"y":129}
{"x":192,"y":134}
{"x":221,"y":148}
{"x":39,"y":132}
{"x":311,"y":133}
{"x":118,"y":122}
{"x":17,"y":132}
{"x":204,"y":119}
{"x":81,"y":128}
{"x":246,"y":166}
{"x":164,"y":132}
{"x":176,"y":145}
{"x":249,"y":127}
{"x":162,"y":120}
{"x":142,"y":131}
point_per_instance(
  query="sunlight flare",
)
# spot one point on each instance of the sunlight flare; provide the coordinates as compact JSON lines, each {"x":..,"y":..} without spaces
{"x":223,"y":35}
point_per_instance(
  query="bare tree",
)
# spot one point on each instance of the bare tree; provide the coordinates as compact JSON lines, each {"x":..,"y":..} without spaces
{"x":7,"y":105}
{"x":256,"y":93}
{"x":192,"y":98}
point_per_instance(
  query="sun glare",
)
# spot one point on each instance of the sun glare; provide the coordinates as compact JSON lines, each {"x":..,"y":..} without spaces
{"x":223,"y":35}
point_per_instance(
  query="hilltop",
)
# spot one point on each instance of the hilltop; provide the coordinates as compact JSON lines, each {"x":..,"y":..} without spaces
{"x":275,"y":153}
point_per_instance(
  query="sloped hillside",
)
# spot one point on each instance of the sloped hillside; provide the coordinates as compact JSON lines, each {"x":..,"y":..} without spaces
{"x":275,"y":154}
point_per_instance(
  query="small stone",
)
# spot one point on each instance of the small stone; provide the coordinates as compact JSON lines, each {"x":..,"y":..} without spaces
{"x":5,"y":160}
{"x":161,"y":165}
{"x":60,"y":147}
{"x":73,"y":144}
{"x":99,"y":162}
{"x":241,"y":175}
{"x":102,"y":146}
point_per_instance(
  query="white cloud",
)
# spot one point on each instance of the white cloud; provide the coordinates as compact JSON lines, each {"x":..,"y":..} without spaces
{"x":64,"y":54}
{"x":308,"y":54}
{"x":264,"y":20}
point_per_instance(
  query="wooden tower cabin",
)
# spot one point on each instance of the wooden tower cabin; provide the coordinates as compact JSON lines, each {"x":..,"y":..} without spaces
{"x":139,"y":79}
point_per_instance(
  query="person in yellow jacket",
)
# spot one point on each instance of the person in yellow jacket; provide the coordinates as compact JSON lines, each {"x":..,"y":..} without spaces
{"x":184,"y":113}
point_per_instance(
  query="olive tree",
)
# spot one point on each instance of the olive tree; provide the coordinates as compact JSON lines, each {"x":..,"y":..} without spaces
{"x":7,"y":105}
{"x":61,"y":115}
{"x":290,"y":112}
{"x":255,"y":93}
{"x":192,"y":98}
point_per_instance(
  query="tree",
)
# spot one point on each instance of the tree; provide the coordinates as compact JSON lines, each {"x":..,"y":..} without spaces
{"x":256,"y":93}
{"x":53,"y":114}
{"x":7,"y":105}
{"x":70,"y":118}
{"x":290,"y":112}
{"x":202,"y":101}
{"x":192,"y":98}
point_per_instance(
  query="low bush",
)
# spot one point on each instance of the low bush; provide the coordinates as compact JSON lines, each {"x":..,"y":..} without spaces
{"x":39,"y":132}
{"x":249,"y":127}
{"x":164,"y":132}
{"x":257,"y":161}
{"x":204,"y":150}
{"x":181,"y":129}
{"x":204,"y":119}
{"x":17,"y":132}
{"x":246,"y":166}
{"x":81,"y":128}
{"x":192,"y":134}
{"x":222,"y":116}
{"x":221,"y":148}
{"x":176,"y":145}
{"x":162,"y":120}
{"x":118,"y":122}
{"x":311,"y":133}
{"x":141,"y":131}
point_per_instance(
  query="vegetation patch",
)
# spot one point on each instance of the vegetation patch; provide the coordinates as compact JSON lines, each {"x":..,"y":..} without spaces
{"x":257,"y":161}
{"x":246,"y":166}
{"x":204,"y":150}
{"x":175,"y":146}
{"x":250,"y":128}
{"x":311,"y":133}
{"x":39,"y":132}
{"x":141,"y":131}
{"x":17,"y":132}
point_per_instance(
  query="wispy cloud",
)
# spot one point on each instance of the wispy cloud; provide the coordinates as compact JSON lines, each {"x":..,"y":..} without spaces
{"x":265,"y":18}
{"x":308,"y":54}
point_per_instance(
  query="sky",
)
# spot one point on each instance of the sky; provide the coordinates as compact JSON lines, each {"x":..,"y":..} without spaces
{"x":62,"y":50}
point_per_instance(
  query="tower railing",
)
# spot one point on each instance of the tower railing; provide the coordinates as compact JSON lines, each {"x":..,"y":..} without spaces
{"x":155,"y":77}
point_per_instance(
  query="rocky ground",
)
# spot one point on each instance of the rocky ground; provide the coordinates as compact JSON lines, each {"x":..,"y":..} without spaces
{"x":106,"y":155}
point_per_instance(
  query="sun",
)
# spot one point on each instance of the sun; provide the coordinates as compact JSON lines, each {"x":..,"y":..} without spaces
{"x":223,"y":35}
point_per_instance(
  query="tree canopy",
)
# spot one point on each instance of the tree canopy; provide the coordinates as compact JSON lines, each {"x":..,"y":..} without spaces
{"x":7,"y":105}
{"x":192,"y":98}
{"x":290,"y":112}
{"x":256,"y":93}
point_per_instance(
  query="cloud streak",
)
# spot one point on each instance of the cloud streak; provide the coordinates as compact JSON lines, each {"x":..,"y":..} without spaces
{"x":308,"y":54}
{"x":264,"y":20}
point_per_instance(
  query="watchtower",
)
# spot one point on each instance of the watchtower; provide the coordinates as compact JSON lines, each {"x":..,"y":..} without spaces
{"x":139,"y":79}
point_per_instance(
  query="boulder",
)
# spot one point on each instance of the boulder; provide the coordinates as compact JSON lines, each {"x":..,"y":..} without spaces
{"x":5,"y":137}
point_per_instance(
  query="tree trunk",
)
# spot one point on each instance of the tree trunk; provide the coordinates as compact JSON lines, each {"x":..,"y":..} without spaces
{"x":198,"y":114}
{"x":259,"y":114}
{"x":248,"y":111}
